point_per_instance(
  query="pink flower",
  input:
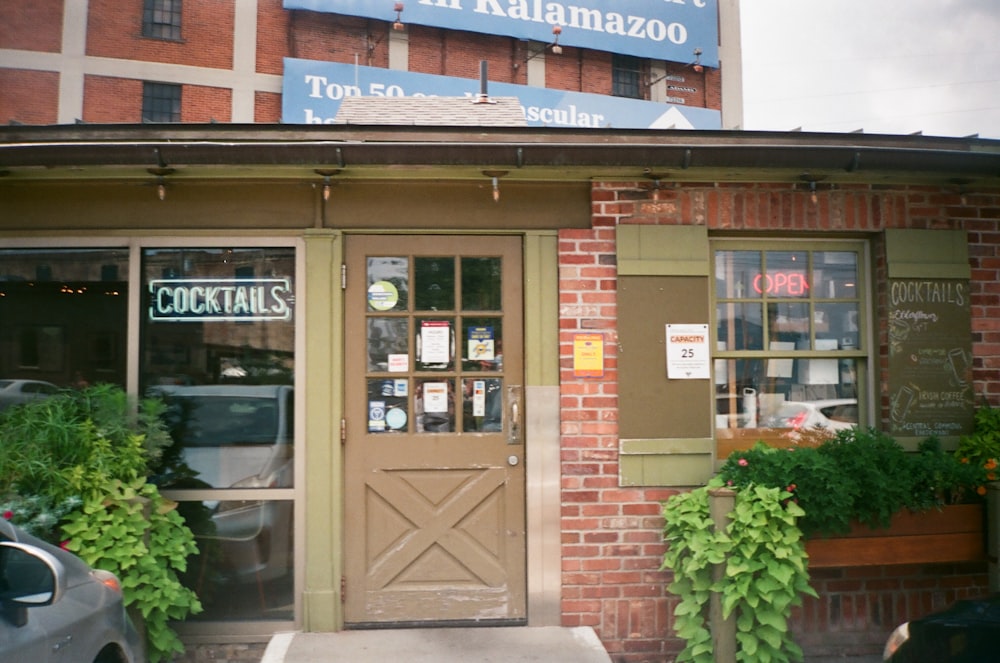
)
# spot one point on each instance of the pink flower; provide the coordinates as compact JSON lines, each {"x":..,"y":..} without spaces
{"x":64,"y":544}
{"x":742,"y":462}
{"x":8,"y":515}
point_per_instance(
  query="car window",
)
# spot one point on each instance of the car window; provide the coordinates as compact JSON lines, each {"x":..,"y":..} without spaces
{"x":223,"y":420}
{"x":845,"y":413}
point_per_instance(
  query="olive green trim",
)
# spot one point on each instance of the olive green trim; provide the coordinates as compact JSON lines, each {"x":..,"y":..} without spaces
{"x":665,"y":462}
{"x":663,"y":251}
{"x":324,"y":493}
{"x":541,"y":309}
{"x":666,"y":446}
{"x":941,"y":254}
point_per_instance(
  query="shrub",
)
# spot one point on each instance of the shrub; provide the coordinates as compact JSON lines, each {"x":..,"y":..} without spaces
{"x":859,"y":475}
{"x":79,"y":460}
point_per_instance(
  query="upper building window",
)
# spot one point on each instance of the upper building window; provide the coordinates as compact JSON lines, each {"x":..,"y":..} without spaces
{"x":161,"y":19}
{"x":161,"y":102}
{"x":626,"y":74}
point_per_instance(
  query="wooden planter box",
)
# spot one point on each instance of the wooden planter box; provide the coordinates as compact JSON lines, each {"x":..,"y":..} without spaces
{"x":955,"y":533}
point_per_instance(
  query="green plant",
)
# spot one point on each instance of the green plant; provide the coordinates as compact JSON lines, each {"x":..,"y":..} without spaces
{"x":135,"y":533}
{"x":859,"y":475}
{"x":981,"y":448}
{"x":93,"y":448}
{"x":762,"y":557}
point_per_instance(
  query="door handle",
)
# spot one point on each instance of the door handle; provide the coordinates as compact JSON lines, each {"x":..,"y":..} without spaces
{"x":515,"y":429}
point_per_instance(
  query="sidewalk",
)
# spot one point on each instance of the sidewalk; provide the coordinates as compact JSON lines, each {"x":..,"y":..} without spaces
{"x":551,"y":644}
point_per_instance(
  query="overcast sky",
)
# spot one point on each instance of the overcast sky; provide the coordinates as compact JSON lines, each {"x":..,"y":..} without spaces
{"x":882,"y":66}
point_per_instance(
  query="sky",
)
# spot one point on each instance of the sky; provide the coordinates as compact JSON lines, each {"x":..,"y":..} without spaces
{"x":879,"y":66}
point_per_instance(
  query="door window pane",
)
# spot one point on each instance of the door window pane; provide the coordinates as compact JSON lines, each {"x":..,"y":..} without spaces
{"x":387,"y":344}
{"x":434,"y":285}
{"x":388,"y":284}
{"x":435,"y":406}
{"x":481,"y":281}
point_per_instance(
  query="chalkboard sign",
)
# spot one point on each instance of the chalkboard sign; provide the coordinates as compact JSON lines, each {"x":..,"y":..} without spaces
{"x":930,"y":357}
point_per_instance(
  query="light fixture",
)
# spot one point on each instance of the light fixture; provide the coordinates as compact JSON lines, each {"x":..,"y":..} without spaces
{"x":554,"y":46}
{"x":161,"y":181}
{"x":495,"y":176}
{"x":326,"y":174}
{"x":696,"y":65}
{"x":811,"y":181}
{"x":398,"y":23}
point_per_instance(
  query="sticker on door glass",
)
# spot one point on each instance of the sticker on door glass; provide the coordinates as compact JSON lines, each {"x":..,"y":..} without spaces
{"x":435,"y":396}
{"x":399,"y":363}
{"x":435,"y":342}
{"x":376,"y":416}
{"x":395,"y":418}
{"x":382,"y":296}
{"x":481,"y":344}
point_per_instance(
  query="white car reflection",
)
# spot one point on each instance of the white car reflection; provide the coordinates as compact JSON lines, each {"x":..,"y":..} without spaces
{"x":17,"y":392}
{"x":239,"y":436}
{"x":832,"y":414}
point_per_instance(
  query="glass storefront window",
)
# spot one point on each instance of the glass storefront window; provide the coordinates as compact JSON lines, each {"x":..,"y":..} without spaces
{"x":789,"y":357}
{"x":63,"y":319}
{"x":217,"y":345}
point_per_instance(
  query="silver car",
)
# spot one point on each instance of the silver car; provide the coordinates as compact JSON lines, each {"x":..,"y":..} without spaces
{"x":17,"y":392}
{"x":54,"y":607}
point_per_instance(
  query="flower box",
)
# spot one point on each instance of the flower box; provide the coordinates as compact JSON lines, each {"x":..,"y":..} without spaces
{"x":955,"y":533}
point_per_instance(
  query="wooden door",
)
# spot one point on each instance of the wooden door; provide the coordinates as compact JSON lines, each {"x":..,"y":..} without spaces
{"x":435,"y":523}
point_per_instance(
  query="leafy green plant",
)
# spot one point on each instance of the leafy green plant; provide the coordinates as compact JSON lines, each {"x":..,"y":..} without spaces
{"x":981,"y":449}
{"x":859,"y":475}
{"x":763,"y":559}
{"x":93,"y":448}
{"x":137,"y":534}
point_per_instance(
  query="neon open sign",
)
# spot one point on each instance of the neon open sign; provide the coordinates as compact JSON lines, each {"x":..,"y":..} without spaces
{"x":781,"y":284}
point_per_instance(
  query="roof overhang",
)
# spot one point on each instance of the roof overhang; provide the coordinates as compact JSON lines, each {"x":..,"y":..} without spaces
{"x":275,"y":152}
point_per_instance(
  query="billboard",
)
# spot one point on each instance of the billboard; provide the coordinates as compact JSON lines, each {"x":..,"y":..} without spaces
{"x":657,"y":29}
{"x":312,"y":92}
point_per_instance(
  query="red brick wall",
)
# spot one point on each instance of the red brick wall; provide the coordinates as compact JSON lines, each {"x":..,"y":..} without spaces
{"x":29,"y":97}
{"x":612,"y":537}
{"x":32,"y":26}
{"x":114,"y":30}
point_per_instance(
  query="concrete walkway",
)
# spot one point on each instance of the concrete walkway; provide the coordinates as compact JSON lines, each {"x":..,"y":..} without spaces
{"x":551,"y":644}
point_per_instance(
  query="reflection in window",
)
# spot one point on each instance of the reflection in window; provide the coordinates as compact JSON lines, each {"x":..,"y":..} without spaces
{"x":797,"y":311}
{"x":217,"y":345}
{"x":63,"y":315}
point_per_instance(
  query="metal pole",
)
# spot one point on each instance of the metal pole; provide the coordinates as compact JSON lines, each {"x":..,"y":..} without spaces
{"x":721,"y":502}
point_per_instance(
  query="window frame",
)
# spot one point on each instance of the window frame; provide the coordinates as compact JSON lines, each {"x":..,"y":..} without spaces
{"x":155,"y":102}
{"x":161,"y":19}
{"x":627,"y":76}
{"x":864,"y":355}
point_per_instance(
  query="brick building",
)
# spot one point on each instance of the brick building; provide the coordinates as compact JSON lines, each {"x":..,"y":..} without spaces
{"x":354,"y":262}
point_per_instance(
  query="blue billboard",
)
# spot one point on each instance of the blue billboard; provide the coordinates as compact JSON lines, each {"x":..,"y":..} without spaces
{"x":657,"y":29}
{"x":312,"y":92}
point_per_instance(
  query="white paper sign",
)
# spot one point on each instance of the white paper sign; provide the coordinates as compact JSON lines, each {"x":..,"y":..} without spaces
{"x":435,"y":337}
{"x":688,"y":356}
{"x":435,"y":397}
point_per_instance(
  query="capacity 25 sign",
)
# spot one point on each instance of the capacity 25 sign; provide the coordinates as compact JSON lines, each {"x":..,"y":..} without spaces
{"x":687,"y":352}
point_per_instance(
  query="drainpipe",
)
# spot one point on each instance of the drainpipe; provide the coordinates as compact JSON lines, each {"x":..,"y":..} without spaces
{"x":721,"y":502}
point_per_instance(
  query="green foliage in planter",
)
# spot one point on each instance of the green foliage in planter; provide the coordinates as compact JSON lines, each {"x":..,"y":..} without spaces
{"x":93,"y":448}
{"x":860,"y":475}
{"x":135,"y":533}
{"x":764,"y":572}
{"x":982,"y":447}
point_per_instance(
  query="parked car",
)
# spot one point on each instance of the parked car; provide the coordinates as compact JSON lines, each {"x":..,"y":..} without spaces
{"x":236,"y":436}
{"x":54,"y":607}
{"x":966,"y":632}
{"x":833,"y":414}
{"x":16,"y":392}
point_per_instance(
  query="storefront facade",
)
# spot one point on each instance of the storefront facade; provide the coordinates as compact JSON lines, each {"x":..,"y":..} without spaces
{"x":484,"y":358}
